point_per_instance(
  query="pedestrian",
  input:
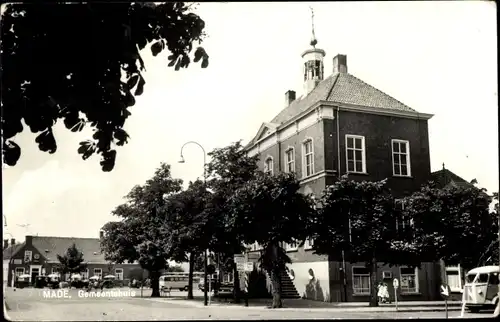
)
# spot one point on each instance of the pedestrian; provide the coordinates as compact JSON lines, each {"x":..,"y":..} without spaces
{"x":385,"y":293}
{"x":379,"y":292}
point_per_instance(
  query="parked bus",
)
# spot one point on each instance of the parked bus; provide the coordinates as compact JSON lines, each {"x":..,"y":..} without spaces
{"x":481,"y":288}
{"x":178,"y":280}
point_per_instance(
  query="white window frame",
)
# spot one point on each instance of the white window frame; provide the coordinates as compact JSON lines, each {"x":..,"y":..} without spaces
{"x":417,"y":286}
{"x":304,"y":157}
{"x":18,"y":271}
{"x":55,"y":270}
{"x":290,"y":163}
{"x":398,"y":154}
{"x":119,"y":274}
{"x":85,"y":274}
{"x":26,"y":253}
{"x":100,"y":272}
{"x":403,"y":221}
{"x":267,"y":169}
{"x":356,"y":291}
{"x":363,"y":153}
{"x":458,"y":270}
{"x":291,"y":247}
{"x":309,"y":243}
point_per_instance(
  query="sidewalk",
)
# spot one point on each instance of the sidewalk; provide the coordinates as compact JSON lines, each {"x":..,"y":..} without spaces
{"x":308,"y":305}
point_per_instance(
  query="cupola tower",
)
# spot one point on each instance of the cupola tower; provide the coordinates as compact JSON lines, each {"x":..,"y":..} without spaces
{"x":313,"y":62}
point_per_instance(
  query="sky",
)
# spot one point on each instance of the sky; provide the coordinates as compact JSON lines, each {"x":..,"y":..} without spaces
{"x":436,"y":57}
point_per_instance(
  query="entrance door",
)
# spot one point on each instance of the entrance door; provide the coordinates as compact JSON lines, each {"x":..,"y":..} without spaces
{"x":34,"y":272}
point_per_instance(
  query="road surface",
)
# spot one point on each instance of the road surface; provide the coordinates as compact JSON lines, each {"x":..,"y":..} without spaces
{"x":31,"y":305}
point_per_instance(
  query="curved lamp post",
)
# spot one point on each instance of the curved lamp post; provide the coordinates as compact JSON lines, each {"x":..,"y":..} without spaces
{"x":205,"y":264}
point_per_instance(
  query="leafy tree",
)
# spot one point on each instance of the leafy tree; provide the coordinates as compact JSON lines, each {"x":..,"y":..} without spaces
{"x":359,"y":218}
{"x":72,"y":261}
{"x":82,"y":63}
{"x":271,"y":210}
{"x":448,"y":220}
{"x":188,"y":220}
{"x":140,"y":236}
{"x":228,"y":170}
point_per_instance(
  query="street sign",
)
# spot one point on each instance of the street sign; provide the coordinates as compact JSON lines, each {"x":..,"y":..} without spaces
{"x":239,"y":260}
{"x":445,"y":292}
{"x":395,"y":283}
{"x":248,"y":267}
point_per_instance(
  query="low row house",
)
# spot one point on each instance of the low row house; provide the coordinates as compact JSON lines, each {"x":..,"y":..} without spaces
{"x":37,"y":255}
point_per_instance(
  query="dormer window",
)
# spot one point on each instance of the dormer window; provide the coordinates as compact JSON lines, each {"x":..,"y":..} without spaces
{"x":269,"y":166}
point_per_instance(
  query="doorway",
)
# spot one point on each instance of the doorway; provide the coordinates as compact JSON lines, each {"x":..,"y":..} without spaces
{"x":34,"y":272}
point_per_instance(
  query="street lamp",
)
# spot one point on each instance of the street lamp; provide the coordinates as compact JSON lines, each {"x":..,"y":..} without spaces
{"x":205,"y":264}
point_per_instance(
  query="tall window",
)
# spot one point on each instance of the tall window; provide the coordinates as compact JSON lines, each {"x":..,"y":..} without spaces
{"x":308,"y":150}
{"x":401,"y":158}
{"x":27,"y":256}
{"x":409,"y":280}
{"x":98,"y":272}
{"x":269,"y":165}
{"x":119,"y":273}
{"x":85,"y":274}
{"x":360,"y":280}
{"x":290,"y":160}
{"x":355,"y":150}
{"x":403,"y":222}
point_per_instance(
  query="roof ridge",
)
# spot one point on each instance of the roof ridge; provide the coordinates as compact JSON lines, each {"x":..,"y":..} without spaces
{"x":380,"y":91}
{"x":63,"y":237}
{"x":333,"y":86}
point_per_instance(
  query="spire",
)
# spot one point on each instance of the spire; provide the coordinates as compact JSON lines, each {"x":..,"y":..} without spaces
{"x":314,"y":41}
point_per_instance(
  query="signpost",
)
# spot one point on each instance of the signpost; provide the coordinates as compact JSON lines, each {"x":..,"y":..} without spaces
{"x":445,"y":293}
{"x":240,"y":263}
{"x":395,"y":283}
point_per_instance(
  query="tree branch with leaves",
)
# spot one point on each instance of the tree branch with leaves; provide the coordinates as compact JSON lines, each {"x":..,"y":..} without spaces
{"x":82,"y":63}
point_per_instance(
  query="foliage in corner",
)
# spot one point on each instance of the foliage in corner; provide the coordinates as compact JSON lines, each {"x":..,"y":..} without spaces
{"x":81,"y":63}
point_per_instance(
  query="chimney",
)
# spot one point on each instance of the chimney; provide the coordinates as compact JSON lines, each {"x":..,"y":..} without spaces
{"x":29,"y":240}
{"x":5,"y":243}
{"x":12,"y":241}
{"x":101,"y":234}
{"x":289,"y":97}
{"x":340,"y":64}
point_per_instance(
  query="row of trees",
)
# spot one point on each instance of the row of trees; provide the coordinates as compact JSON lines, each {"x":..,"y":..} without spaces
{"x":239,"y":205}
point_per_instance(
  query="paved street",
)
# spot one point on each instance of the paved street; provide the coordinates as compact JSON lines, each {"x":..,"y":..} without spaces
{"x":29,"y":304}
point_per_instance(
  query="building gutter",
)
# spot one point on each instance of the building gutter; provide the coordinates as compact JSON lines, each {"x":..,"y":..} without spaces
{"x":339,"y":175}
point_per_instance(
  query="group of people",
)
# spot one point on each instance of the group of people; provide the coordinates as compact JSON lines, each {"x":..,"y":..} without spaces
{"x":383,"y":293}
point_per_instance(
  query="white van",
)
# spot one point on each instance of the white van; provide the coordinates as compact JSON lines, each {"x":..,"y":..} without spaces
{"x":481,"y":288}
{"x":179,"y":281}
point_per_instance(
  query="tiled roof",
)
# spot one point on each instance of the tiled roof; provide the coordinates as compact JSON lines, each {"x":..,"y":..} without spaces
{"x":342,"y":88}
{"x":11,"y":250}
{"x":59,"y":246}
{"x":445,"y":177}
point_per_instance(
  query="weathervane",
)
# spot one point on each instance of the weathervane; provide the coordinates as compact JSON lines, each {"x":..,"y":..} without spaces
{"x":313,"y":40}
